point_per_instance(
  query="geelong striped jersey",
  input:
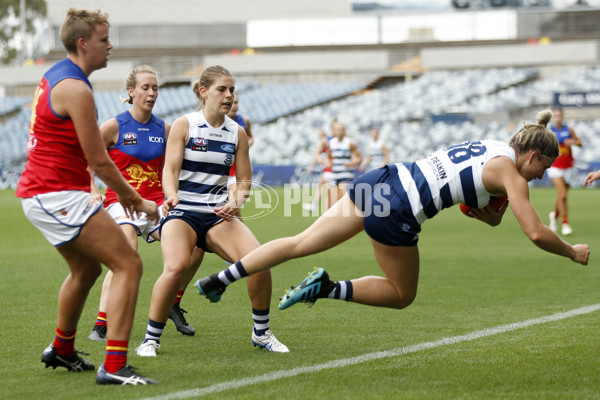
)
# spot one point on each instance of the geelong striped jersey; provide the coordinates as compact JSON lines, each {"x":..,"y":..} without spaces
{"x":376,"y":152}
{"x":449,"y":176}
{"x":207,"y":158}
{"x":341,"y":154}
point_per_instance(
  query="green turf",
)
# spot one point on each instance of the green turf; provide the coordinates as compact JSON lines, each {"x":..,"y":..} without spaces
{"x":472,"y":277}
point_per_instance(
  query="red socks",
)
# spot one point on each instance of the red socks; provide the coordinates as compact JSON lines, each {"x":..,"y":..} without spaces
{"x":179,"y":296}
{"x":116,"y":355}
{"x":64,"y":342}
{"x":101,"y":319}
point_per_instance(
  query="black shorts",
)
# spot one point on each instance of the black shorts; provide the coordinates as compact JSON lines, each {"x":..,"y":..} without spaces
{"x":387,"y":211}
{"x":200,"y":223}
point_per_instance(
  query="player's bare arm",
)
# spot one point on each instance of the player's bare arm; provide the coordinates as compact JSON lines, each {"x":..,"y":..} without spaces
{"x":516,"y":188}
{"x":110,"y":132}
{"x":176,"y":140}
{"x":75,"y":99}
{"x":243,"y":174}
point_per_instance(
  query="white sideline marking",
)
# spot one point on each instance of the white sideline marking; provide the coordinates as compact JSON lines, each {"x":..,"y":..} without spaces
{"x":344,"y":362}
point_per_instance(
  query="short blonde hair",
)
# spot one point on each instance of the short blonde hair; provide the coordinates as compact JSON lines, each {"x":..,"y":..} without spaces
{"x":536,"y":137}
{"x":80,"y":24}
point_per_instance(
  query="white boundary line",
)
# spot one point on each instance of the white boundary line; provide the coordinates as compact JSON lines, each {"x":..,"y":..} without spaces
{"x":344,"y":362}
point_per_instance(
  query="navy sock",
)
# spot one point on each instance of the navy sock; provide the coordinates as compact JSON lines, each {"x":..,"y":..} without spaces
{"x":233,"y":273}
{"x":154,"y":330}
{"x":261,"y":321}
{"x":342,"y":291}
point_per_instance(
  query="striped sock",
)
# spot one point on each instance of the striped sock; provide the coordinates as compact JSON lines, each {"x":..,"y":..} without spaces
{"x":64,"y":342}
{"x":179,"y":296}
{"x":261,"y":321}
{"x":154,"y":330}
{"x":232,"y":274}
{"x":101,"y":319}
{"x":342,"y":291}
{"x":116,"y":355}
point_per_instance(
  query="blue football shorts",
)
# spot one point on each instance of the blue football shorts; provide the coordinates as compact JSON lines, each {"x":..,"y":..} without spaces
{"x":200,"y":223}
{"x":385,"y":206}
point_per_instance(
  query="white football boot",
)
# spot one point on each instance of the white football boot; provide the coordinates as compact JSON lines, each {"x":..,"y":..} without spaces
{"x":269,"y":341}
{"x":147,"y":349}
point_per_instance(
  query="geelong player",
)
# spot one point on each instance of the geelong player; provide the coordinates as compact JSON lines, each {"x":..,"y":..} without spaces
{"x":201,"y":148}
{"x":136,"y":141}
{"x":378,"y":155}
{"x":391,"y":203}
{"x":344,"y":157}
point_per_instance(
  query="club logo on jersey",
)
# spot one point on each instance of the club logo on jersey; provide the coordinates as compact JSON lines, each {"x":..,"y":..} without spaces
{"x":229,"y":148}
{"x":139,"y":176}
{"x":199,"y":144}
{"x":31,"y":143}
{"x":228,"y":159}
{"x":130,"y":138}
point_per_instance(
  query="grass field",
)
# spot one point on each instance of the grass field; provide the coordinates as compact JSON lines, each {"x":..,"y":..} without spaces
{"x":473,"y":277}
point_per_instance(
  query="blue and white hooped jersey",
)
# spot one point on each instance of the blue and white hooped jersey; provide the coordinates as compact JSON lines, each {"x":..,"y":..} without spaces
{"x":449,"y":176}
{"x":207,"y":159}
{"x":376,"y":152}
{"x":341,"y":154}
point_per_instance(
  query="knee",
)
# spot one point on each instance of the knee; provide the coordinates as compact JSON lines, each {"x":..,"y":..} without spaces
{"x":86,"y":276}
{"x":175,"y":273}
{"x":404,"y":300}
{"x":92,"y":273}
{"x":132,"y":267}
{"x":562,"y":196}
{"x":96,"y":271}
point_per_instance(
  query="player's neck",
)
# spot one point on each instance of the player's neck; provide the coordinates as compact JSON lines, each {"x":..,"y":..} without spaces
{"x":214,"y":119}
{"x":141,"y":116}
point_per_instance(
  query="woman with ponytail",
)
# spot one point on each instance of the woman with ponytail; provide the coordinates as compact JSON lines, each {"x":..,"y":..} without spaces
{"x":391,"y":203}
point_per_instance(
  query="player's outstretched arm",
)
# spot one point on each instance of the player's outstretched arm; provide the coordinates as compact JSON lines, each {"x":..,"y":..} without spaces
{"x":503,"y":177}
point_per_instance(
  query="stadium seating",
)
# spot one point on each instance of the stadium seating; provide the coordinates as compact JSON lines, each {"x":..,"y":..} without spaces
{"x":11,"y":104}
{"x":414,"y":118}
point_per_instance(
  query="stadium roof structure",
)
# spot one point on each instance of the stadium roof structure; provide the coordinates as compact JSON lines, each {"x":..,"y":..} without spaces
{"x":148,"y":12}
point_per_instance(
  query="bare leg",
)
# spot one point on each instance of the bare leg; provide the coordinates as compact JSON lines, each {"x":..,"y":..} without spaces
{"x":101,"y":240}
{"x":399,"y":264}
{"x":76,"y":287}
{"x":131,"y":235}
{"x":178,"y":244}
{"x":560,"y":204}
{"x":231,"y":240}
{"x":338,"y":224}
{"x":399,"y":288}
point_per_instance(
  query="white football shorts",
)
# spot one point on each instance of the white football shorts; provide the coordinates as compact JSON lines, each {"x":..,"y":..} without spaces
{"x":566,"y":173}
{"x":60,"y":215}
{"x":142,"y":224}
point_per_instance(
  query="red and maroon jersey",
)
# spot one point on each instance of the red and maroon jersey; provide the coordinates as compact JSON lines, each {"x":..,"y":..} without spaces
{"x":55,"y":159}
